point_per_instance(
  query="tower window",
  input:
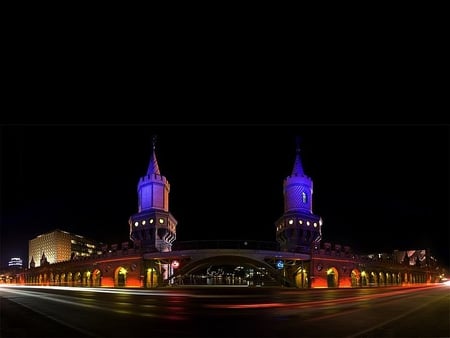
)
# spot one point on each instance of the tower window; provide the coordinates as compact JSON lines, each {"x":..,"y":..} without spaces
{"x":304,"y":197}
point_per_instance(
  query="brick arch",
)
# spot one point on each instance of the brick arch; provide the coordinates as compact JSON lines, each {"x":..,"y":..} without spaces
{"x":120,"y":276}
{"x":96,"y":277}
{"x":355,"y":276}
{"x":332,"y":277}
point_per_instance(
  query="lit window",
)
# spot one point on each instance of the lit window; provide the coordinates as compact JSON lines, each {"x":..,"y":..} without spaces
{"x":304,"y":197}
{"x":300,"y":221}
{"x":151,"y":220}
{"x":136,"y":224}
{"x":143,"y":222}
{"x":291,"y":221}
{"x":161,"y":220}
{"x":307,"y":223}
{"x":315,"y":225}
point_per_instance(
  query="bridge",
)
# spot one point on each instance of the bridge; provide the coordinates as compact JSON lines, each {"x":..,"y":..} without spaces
{"x":227,"y":262}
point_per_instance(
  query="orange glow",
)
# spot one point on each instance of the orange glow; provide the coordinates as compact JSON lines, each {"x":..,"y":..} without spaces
{"x":107,"y":282}
{"x":133,"y":282}
{"x":319,"y":282}
{"x":345,"y":282}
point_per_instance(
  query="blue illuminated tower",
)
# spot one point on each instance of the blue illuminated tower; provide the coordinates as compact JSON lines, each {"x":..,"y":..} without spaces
{"x":298,"y":229}
{"x":153,"y":228}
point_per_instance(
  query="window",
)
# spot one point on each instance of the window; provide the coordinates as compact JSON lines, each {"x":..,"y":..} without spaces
{"x":304,"y":197}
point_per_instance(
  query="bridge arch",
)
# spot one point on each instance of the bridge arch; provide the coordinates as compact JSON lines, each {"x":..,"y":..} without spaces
{"x":227,"y":269}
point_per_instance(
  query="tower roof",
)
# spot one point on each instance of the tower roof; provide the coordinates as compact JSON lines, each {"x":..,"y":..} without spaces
{"x":153,"y":167}
{"x":298,"y":168}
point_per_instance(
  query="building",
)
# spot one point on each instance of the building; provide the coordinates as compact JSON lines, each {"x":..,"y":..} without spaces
{"x":296,"y":257}
{"x":60,"y":246}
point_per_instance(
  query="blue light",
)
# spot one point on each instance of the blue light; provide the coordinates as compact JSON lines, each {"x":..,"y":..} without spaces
{"x":280,"y":264}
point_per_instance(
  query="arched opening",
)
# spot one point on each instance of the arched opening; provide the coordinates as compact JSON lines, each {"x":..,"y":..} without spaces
{"x":120,"y":277}
{"x":332,"y":278}
{"x":87,"y":278}
{"x":232,"y":270}
{"x":355,"y":277}
{"x":70,"y":279}
{"x":301,"y":278}
{"x":96,"y":278}
{"x":63,"y":279}
{"x":77,"y":280}
{"x":364,"y":279}
{"x":381,"y":280}
{"x":151,"y":278}
{"x":388,"y":278}
{"x":373,"y":279}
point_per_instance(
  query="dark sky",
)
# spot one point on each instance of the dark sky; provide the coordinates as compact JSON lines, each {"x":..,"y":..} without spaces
{"x":377,"y":188}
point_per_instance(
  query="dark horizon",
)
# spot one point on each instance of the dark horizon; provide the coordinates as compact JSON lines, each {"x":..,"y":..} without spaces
{"x":377,"y":188}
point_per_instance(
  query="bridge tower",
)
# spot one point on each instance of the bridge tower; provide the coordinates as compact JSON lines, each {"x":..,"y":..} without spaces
{"x":298,"y":229}
{"x":153,"y":228}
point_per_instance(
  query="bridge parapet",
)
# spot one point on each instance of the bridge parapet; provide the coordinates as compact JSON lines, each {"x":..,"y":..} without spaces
{"x":225,"y":244}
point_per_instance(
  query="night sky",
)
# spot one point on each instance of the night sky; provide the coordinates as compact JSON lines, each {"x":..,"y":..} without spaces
{"x":378,"y":188}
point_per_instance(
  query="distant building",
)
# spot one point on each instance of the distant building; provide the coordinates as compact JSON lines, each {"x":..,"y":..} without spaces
{"x":59,"y":246}
{"x":15,"y":262}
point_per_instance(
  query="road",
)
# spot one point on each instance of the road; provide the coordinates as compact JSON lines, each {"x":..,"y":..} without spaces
{"x":225,"y":312}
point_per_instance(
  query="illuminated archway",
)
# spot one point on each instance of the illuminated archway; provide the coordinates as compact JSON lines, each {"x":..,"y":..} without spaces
{"x":151,"y":278}
{"x":332,"y":278}
{"x":70,"y":279}
{"x":301,"y":278}
{"x":63,"y":279}
{"x":388,"y":278}
{"x":364,"y":279}
{"x":96,"y":278}
{"x":381,"y":280}
{"x":356,"y":278}
{"x":86,"y":278}
{"x":77,"y":279}
{"x":373,"y":279}
{"x":120,"y":277}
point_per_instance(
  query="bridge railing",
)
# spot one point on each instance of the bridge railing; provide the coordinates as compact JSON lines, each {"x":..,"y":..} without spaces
{"x":226,"y":244}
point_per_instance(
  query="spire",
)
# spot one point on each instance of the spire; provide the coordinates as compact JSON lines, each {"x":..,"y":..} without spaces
{"x":298,"y":168}
{"x":153,"y":167}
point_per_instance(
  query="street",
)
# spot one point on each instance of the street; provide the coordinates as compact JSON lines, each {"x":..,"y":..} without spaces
{"x":225,"y":312}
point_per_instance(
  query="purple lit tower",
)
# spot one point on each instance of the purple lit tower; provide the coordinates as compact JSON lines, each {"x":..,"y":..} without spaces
{"x":298,"y":229}
{"x":153,"y":228}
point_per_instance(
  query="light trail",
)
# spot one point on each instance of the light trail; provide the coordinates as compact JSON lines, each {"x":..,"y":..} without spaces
{"x":318,"y":303}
